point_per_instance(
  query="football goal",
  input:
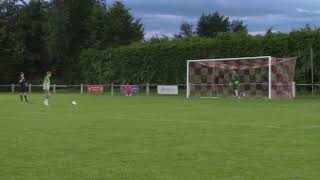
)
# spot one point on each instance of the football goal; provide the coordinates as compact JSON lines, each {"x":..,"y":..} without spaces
{"x":258,"y":77}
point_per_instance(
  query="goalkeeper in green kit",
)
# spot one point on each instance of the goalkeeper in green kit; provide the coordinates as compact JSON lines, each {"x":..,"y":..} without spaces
{"x":235,"y":82}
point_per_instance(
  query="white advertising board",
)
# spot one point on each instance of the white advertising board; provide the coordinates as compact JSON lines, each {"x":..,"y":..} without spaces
{"x":173,"y":90}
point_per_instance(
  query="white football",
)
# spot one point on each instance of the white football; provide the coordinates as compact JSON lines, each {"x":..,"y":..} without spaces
{"x":74,"y":103}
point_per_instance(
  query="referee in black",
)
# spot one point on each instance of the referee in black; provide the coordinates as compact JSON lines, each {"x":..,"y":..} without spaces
{"x":23,"y":87}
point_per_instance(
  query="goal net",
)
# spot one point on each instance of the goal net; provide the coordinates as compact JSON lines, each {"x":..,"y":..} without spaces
{"x":260,"y":77}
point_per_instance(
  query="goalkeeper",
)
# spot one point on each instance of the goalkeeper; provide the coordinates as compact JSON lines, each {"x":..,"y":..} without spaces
{"x":235,"y":82}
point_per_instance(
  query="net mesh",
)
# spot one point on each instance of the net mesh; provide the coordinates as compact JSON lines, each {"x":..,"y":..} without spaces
{"x":213,"y":77}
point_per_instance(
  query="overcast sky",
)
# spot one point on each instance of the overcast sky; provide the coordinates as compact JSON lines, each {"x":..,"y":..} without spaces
{"x":165,"y":16}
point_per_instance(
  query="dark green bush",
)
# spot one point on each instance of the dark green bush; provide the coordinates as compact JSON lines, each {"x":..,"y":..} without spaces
{"x":165,"y":61}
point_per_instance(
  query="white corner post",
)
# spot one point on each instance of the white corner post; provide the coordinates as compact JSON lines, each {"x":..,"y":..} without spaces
{"x":81,"y":88}
{"x":54,"y":89}
{"x":112,"y":89}
{"x":270,"y":77}
{"x":312,"y":78}
{"x":12,"y":88}
{"x":188,"y":85}
{"x":30,"y":89}
{"x":147,"y":89}
{"x":293,"y":89}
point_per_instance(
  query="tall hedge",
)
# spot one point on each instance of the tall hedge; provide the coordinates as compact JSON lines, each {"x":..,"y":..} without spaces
{"x":164,"y":61}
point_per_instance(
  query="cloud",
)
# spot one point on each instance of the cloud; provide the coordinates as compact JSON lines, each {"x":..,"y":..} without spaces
{"x":262,"y":32}
{"x":168,"y":17}
{"x":258,"y":32}
{"x":150,"y":34}
{"x":303,"y":10}
{"x":164,"y":24}
{"x":308,"y":11}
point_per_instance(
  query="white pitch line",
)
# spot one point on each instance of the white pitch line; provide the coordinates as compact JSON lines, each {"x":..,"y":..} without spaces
{"x":8,"y":117}
{"x":210,"y":97}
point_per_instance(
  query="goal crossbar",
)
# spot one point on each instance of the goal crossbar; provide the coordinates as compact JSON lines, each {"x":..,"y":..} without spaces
{"x":229,"y":59}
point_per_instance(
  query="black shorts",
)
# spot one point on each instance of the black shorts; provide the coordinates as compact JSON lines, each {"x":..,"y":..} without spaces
{"x":23,"y":89}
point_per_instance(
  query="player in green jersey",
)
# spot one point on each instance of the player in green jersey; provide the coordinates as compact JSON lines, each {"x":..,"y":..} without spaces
{"x":235,"y":83}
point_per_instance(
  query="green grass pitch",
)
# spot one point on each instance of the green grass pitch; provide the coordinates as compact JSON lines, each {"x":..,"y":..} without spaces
{"x":158,"y":138}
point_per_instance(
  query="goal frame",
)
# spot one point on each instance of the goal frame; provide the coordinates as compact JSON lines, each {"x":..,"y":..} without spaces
{"x":231,"y":59}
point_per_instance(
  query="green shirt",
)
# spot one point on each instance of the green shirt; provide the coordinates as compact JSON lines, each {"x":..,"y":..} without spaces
{"x":46,"y":81}
{"x":235,"y":81}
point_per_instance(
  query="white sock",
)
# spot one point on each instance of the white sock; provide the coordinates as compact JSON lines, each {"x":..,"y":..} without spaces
{"x":237,"y":94}
{"x":46,"y":102}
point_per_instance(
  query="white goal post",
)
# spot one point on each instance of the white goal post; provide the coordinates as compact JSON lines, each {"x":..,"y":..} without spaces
{"x":263,"y":76}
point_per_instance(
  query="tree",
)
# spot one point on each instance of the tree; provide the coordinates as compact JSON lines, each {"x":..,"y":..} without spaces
{"x":67,"y":35}
{"x":212,"y":24}
{"x":98,"y":28}
{"x":113,"y":27}
{"x":38,"y":35}
{"x":31,"y":34}
{"x":269,"y":31}
{"x":185,"y":31}
{"x":308,"y":27}
{"x":10,"y":11}
{"x":237,"y":26}
{"x":124,"y":28}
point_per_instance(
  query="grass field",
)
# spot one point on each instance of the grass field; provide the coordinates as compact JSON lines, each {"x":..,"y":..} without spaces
{"x":158,"y":138}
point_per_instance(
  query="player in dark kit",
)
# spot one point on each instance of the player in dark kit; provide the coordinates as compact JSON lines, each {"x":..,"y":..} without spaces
{"x":23,"y":87}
